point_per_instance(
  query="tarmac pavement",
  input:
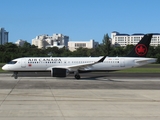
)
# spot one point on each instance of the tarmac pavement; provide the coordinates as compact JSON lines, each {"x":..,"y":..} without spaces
{"x":90,"y":98}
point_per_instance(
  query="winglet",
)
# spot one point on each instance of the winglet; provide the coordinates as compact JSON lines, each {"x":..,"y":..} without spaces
{"x":102,"y":59}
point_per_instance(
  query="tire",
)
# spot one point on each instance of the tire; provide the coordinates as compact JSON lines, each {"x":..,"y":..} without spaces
{"x":77,"y":77}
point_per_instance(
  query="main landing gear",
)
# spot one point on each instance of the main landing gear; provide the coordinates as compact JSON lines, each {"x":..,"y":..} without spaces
{"x":15,"y":75}
{"x":77,"y":76}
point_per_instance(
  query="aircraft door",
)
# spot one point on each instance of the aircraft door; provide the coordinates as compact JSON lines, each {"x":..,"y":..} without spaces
{"x":122,"y":62}
{"x":23,"y":63}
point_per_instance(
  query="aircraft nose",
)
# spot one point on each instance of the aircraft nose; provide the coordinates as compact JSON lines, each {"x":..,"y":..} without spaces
{"x":5,"y":67}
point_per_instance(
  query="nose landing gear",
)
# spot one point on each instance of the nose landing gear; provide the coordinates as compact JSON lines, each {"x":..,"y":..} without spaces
{"x":15,"y":75}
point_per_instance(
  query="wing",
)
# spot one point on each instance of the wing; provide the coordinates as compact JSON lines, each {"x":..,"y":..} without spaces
{"x":78,"y":66}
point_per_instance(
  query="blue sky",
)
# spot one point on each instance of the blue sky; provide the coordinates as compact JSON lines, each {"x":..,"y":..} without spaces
{"x":79,"y":19}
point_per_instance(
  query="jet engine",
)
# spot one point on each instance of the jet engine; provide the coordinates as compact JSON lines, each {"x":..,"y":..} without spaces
{"x":59,"y":72}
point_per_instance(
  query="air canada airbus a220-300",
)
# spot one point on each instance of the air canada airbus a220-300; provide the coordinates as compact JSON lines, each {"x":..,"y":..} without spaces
{"x":61,"y":66}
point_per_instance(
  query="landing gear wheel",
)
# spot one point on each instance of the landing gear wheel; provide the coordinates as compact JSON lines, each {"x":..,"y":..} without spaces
{"x":15,"y":74}
{"x":77,"y":77}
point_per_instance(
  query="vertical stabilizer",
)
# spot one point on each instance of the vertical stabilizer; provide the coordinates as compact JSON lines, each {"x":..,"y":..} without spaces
{"x":141,"y":49}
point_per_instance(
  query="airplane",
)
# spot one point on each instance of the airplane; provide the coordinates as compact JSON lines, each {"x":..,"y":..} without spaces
{"x":62,"y":66}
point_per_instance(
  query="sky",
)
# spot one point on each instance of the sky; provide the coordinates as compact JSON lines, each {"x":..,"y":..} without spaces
{"x":81,"y":20}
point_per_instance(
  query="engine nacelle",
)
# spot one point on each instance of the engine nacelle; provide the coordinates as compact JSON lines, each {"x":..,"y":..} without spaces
{"x":59,"y":72}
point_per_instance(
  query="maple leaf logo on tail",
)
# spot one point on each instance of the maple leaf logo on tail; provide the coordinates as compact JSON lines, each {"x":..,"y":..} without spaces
{"x":141,"y":49}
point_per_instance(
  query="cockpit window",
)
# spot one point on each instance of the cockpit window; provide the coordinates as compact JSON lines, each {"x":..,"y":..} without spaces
{"x":12,"y":62}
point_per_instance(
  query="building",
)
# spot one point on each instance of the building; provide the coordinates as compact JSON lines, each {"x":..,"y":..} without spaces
{"x":3,"y":36}
{"x":45,"y":41}
{"x":20,"y":42}
{"x":73,"y":45}
{"x":119,"y":39}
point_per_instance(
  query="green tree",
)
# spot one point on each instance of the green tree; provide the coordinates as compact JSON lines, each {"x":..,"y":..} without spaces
{"x":26,"y":45}
{"x":128,"y":49}
{"x":117,"y":51}
{"x":158,"y":57}
{"x":82,"y":52}
{"x":151,"y":52}
{"x":106,"y":45}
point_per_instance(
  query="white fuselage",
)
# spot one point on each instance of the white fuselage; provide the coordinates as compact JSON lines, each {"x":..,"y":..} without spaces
{"x":47,"y":63}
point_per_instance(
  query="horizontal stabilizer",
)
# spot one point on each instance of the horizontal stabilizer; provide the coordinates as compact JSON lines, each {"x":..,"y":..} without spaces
{"x":147,"y":60}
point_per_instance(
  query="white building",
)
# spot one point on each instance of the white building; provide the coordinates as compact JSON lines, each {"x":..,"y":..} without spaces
{"x":73,"y":45}
{"x":126,"y":39}
{"x":45,"y":41}
{"x":3,"y":36}
{"x":20,"y":42}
